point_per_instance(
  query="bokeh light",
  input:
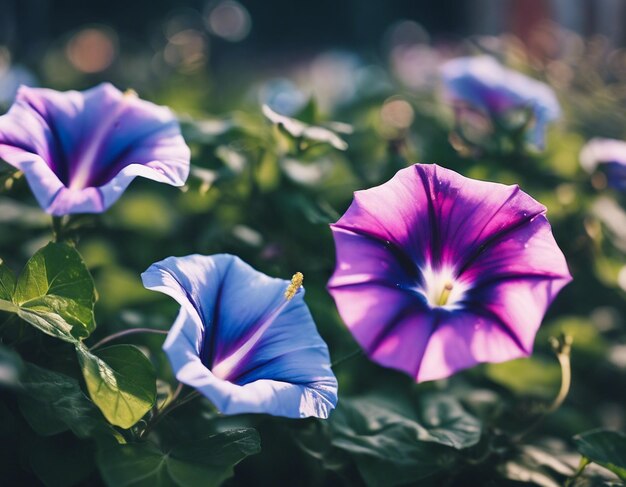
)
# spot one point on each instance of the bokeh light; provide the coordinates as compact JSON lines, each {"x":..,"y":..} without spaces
{"x":92,"y":49}
{"x":229,"y":20}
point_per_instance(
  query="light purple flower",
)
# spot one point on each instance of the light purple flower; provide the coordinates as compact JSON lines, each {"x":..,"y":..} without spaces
{"x":608,"y":156}
{"x":80,"y":150}
{"x":483,"y":83}
{"x":437,"y":272}
{"x":244,"y":340}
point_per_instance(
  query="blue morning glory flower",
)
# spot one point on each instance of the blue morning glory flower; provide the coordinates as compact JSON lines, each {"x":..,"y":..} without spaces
{"x":244,"y":340}
{"x":486,"y":85}
{"x":79,"y":150}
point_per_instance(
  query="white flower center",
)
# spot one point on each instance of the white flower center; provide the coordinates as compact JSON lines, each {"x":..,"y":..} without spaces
{"x":442,"y":289}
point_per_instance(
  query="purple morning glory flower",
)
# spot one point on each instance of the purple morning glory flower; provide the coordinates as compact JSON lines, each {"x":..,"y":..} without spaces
{"x":483,"y":83}
{"x":80,"y":150}
{"x":437,"y":272}
{"x":246,"y":341}
{"x":608,"y":156}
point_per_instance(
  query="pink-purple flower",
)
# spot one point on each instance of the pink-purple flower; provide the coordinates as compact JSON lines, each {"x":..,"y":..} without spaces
{"x":246,"y":341}
{"x":80,"y":150}
{"x":437,"y":272}
{"x":607,"y":156}
{"x":487,"y":86}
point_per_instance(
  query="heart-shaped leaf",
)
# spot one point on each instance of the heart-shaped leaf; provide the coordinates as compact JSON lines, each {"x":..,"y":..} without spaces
{"x":55,"y":293}
{"x":399,"y":440}
{"x":207,"y":462}
{"x":606,"y":448}
{"x":120,"y":380}
{"x":52,"y":403}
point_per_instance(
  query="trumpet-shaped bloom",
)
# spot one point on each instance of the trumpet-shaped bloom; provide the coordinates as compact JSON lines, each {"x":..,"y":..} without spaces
{"x":244,"y":340}
{"x":80,"y":150}
{"x":437,"y":272}
{"x":608,"y":156}
{"x":483,"y":83}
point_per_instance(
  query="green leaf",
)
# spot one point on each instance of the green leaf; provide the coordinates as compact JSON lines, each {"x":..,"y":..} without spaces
{"x":52,"y":402}
{"x":55,"y":293}
{"x":301,"y":130}
{"x":207,"y":462}
{"x":121,"y":381}
{"x":7,"y":282}
{"x":7,"y":287}
{"x":403,"y":440}
{"x":606,"y":448}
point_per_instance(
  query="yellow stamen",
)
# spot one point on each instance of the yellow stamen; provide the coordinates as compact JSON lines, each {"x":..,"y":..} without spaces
{"x":296,"y":283}
{"x":445,"y":294}
{"x":130,"y":92}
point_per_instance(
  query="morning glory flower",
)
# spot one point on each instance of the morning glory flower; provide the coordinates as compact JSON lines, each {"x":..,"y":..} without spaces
{"x":607,"y":156}
{"x":486,"y":85}
{"x":246,"y":341}
{"x":80,"y":150}
{"x":437,"y":272}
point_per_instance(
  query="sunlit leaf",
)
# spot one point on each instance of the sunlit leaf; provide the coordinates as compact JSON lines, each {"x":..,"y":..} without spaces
{"x":120,"y":380}
{"x":55,"y":293}
{"x":7,"y":282}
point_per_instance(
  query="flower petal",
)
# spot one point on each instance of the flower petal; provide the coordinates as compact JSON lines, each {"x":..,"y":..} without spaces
{"x":484,"y":83}
{"x":463,"y":339}
{"x":229,"y":310}
{"x":393,"y":212}
{"x":80,"y":150}
{"x":517,"y":251}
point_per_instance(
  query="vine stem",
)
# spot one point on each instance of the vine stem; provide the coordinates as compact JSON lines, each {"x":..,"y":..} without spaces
{"x":123,"y":333}
{"x":57,"y":228}
{"x":562,"y":346}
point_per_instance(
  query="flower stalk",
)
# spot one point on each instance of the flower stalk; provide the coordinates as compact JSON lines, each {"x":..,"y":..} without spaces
{"x":123,"y":333}
{"x":562,"y":347}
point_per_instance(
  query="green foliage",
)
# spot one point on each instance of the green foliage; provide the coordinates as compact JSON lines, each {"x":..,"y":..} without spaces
{"x":54,"y":293}
{"x":52,"y":402}
{"x":606,"y":448}
{"x":207,"y":461}
{"x":265,"y":186}
{"x":396,"y":440}
{"x":121,"y":381}
{"x":7,"y":282}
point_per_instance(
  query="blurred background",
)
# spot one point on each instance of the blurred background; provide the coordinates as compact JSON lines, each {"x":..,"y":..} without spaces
{"x":264,"y":195}
{"x":150,"y":44}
